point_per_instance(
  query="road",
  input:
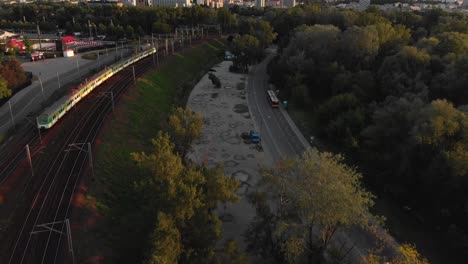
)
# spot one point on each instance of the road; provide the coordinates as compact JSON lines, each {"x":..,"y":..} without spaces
{"x":282,"y":139}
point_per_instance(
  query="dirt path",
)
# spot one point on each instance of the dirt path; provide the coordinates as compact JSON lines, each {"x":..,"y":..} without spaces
{"x":226,"y":114}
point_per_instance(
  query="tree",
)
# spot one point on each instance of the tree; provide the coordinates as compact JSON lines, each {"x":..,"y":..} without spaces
{"x":341,"y":118}
{"x":129,"y":32}
{"x":12,"y":71}
{"x":5,"y":92}
{"x":165,"y":176}
{"x":264,"y":33}
{"x":403,"y":72}
{"x":231,"y":254}
{"x":184,"y":198}
{"x":119,"y":31}
{"x":318,"y":42}
{"x":185,"y":126}
{"x":227,"y":20}
{"x":28,"y":44}
{"x":452,"y":42}
{"x":166,"y":241}
{"x":451,"y":84}
{"x":140,"y":31}
{"x":387,"y":134}
{"x":161,"y":28}
{"x":315,"y":191}
{"x":246,"y":50}
{"x":359,"y":46}
{"x":102,"y":29}
{"x":392,"y":36}
{"x":439,"y":124}
{"x":407,"y":254}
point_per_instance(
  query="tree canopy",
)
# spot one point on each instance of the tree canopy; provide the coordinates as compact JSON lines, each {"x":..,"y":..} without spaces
{"x":389,"y":90}
{"x":314,"y":195}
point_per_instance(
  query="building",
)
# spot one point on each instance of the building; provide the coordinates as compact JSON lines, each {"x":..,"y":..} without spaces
{"x":288,"y":3}
{"x":102,"y":2}
{"x":172,"y":3}
{"x":143,"y":3}
{"x":7,"y":35}
{"x":213,"y":3}
{"x":272,"y":3}
{"x":260,"y":3}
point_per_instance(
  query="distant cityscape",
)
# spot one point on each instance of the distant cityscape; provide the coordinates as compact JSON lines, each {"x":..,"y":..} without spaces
{"x":181,"y":3}
{"x":415,"y":5}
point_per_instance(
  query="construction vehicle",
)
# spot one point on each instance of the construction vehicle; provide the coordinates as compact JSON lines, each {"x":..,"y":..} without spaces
{"x":251,"y":137}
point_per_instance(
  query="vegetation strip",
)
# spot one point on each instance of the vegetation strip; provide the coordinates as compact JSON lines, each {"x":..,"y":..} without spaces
{"x":137,"y":119}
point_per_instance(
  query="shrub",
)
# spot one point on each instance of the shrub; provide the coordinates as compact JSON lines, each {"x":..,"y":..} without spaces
{"x":216,"y":82}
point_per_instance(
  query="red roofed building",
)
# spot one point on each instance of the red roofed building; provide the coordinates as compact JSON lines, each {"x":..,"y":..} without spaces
{"x":68,"y":39}
{"x":14,"y":44}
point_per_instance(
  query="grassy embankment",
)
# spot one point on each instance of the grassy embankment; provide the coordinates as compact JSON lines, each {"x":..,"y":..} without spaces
{"x":140,"y":113}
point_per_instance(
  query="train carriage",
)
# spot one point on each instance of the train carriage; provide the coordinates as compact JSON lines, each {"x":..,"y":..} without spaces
{"x":53,"y":113}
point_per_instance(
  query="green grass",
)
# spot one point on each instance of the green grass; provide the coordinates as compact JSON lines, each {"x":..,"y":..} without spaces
{"x":139,"y":115}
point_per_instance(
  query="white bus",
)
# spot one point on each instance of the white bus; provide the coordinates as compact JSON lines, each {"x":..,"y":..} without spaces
{"x":272,"y":99}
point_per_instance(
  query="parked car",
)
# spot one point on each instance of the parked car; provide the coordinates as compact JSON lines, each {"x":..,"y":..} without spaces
{"x":37,"y":55}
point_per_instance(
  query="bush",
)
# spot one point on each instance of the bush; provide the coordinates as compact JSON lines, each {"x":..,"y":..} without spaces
{"x":216,"y":82}
{"x":234,"y":68}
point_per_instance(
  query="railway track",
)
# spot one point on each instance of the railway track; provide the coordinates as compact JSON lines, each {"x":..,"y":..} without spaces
{"x":58,"y":168}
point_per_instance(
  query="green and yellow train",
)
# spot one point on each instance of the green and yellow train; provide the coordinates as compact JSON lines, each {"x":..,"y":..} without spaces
{"x":52,"y":114}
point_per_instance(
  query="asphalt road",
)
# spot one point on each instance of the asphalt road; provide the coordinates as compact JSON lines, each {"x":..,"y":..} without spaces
{"x":282,"y":139}
{"x":279,"y":134}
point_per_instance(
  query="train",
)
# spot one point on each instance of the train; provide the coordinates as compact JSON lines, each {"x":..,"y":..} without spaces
{"x":52,"y":114}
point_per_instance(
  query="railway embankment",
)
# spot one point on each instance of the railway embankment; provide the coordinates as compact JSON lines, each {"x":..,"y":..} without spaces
{"x":51,"y":79}
{"x":108,"y":223}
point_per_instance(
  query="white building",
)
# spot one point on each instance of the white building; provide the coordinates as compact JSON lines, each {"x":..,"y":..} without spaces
{"x":288,"y":3}
{"x":172,"y":3}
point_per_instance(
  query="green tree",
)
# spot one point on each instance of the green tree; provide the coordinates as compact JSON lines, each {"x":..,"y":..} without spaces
{"x":359,"y":46}
{"x":264,"y":33}
{"x":28,"y":44}
{"x":5,"y":92}
{"x":439,"y":124}
{"x":407,"y":254}
{"x":451,"y":84}
{"x":246,"y":50}
{"x":227,"y":20}
{"x":119,"y":31}
{"x":129,"y":32}
{"x":166,"y":238}
{"x":341,"y":118}
{"x":403,"y":72}
{"x":185,"y":126}
{"x":12,"y":71}
{"x":102,"y":29}
{"x":315,"y":191}
{"x":452,"y":42}
{"x":387,"y":134}
{"x":392,"y":36}
{"x":184,"y":198}
{"x":161,"y":28}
